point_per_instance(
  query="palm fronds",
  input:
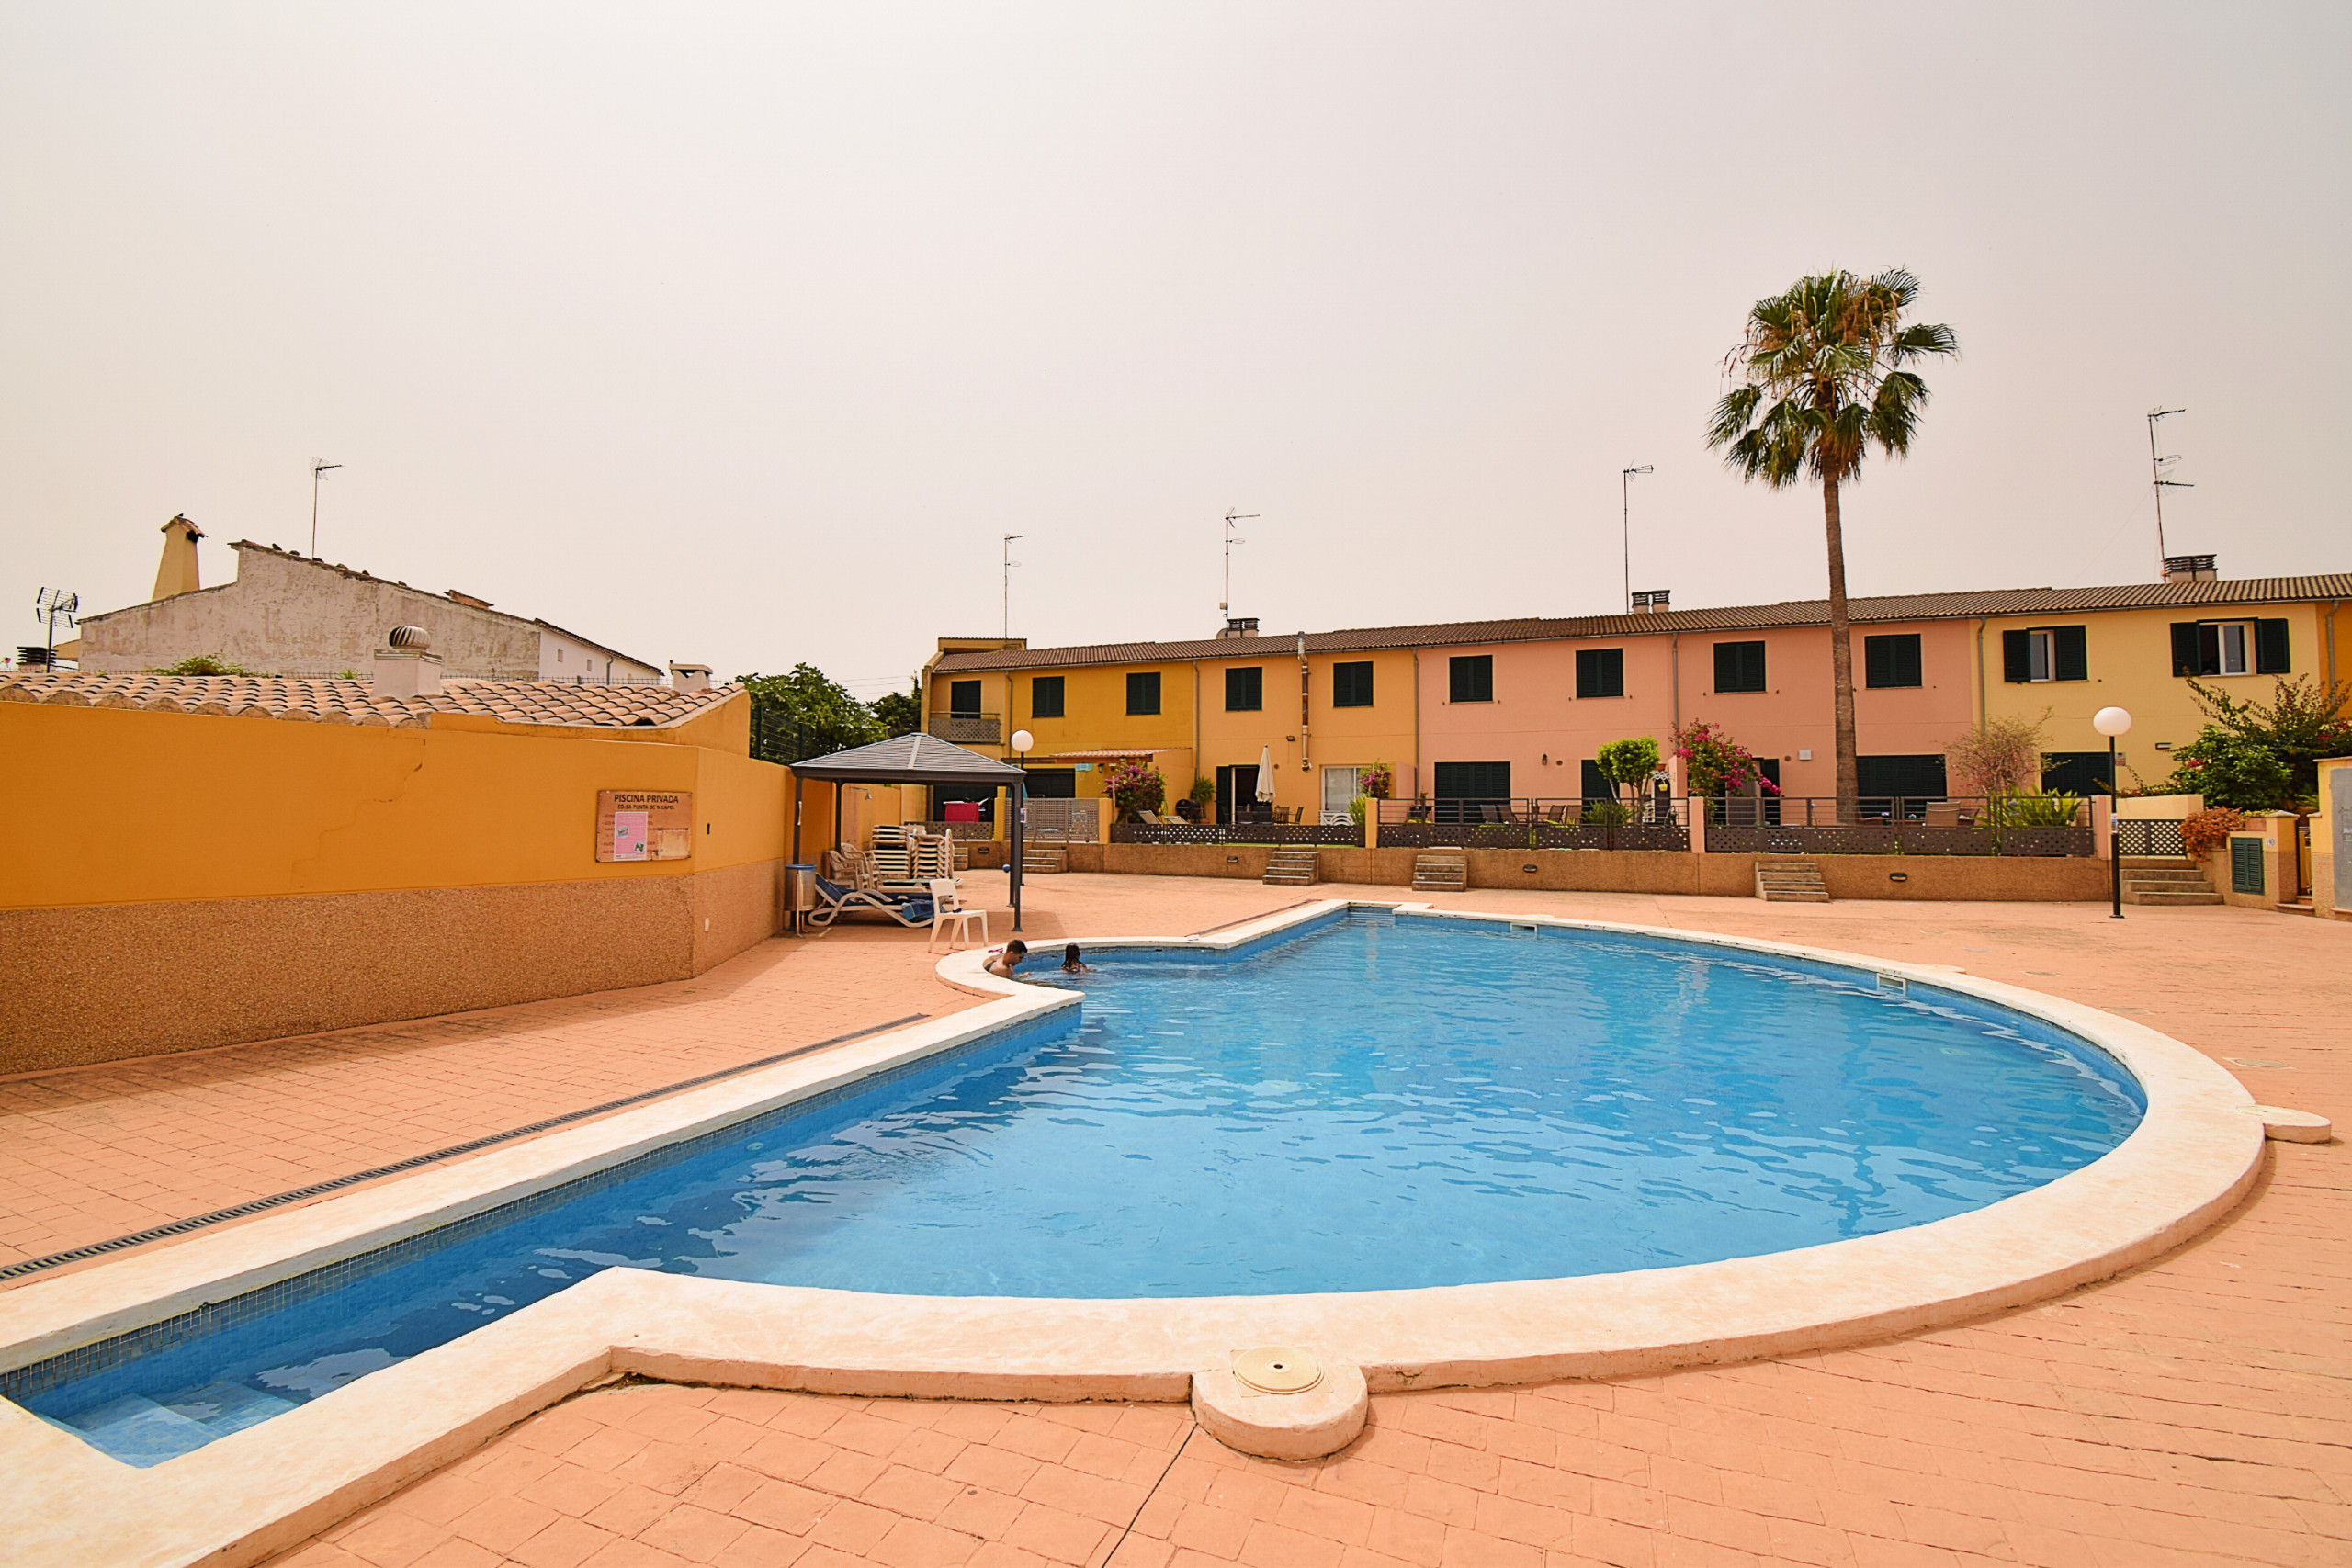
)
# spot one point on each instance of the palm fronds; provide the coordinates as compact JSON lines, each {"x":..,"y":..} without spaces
{"x":1822,"y":379}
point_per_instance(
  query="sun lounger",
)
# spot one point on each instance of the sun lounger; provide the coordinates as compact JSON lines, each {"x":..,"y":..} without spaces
{"x":912,"y":911}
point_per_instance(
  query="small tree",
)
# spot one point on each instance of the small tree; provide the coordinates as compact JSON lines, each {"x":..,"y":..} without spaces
{"x":899,"y":713}
{"x":805,"y":714}
{"x":2002,"y":757}
{"x":1627,"y":762}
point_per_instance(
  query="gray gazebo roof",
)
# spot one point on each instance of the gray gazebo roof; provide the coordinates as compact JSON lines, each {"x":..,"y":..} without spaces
{"x":909,"y":758}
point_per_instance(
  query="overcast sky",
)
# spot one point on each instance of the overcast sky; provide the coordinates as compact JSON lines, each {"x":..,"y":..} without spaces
{"x":741,"y":334}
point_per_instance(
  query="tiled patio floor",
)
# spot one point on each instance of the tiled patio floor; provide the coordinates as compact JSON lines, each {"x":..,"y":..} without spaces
{"x":2197,"y":1411}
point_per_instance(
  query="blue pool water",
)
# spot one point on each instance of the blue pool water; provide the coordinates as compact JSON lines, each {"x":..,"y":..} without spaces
{"x":1373,"y":1104}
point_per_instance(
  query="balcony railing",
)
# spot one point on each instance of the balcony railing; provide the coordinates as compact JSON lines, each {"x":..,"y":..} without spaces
{"x":967,"y":729}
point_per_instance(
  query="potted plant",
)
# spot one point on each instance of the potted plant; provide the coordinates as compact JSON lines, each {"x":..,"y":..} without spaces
{"x":1195,"y":806}
{"x":1134,"y":786}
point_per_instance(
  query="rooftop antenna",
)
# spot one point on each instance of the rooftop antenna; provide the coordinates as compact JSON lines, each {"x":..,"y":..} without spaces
{"x":1224,"y":605}
{"x":317,"y":468}
{"x":2157,"y":471}
{"x":50,"y":606}
{"x":1009,"y":564}
{"x":1625,"y":507}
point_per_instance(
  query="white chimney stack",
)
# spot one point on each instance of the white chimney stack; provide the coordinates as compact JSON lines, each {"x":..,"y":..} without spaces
{"x":690,"y":677}
{"x":408,"y":666}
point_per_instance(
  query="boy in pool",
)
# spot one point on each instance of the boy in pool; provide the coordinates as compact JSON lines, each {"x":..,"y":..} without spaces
{"x":1074,"y":964}
{"x":1004,"y":964}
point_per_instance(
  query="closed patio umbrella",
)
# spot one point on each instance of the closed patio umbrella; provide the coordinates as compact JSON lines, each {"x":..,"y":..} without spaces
{"x":1265,"y":774}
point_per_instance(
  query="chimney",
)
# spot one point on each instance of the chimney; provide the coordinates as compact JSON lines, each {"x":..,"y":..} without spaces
{"x":176,"y":574}
{"x":408,"y":666}
{"x":1651,"y":599}
{"x":2188,"y":568}
{"x":690,"y":677}
{"x":1240,"y":626}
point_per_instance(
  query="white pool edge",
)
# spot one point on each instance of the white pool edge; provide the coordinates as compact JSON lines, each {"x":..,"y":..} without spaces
{"x":240,"y":1499}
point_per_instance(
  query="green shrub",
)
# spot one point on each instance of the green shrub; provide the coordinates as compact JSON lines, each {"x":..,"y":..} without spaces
{"x":208,"y":664}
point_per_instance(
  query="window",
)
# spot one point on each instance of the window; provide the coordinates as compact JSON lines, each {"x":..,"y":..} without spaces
{"x":1914,"y":778}
{"x":2246,"y":865}
{"x":1351,"y":685}
{"x":1739,"y":667}
{"x":1891,"y":661}
{"x":964,"y":698}
{"x":1474,"y":781}
{"x":1052,"y":784}
{"x":1601,"y":671}
{"x":1046,"y":697}
{"x":1245,"y":690}
{"x":2051,"y":653}
{"x":2231,"y":647}
{"x":2073,"y":772}
{"x":1143,"y":692}
{"x":1597,"y":785}
{"x":1470,"y":678}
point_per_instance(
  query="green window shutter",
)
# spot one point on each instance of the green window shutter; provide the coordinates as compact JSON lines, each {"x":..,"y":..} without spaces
{"x":2017,"y":657}
{"x":1046,"y":696}
{"x":1597,"y":785}
{"x":2184,"y":647}
{"x":2069,"y":659}
{"x":1245,"y":689}
{"x":2271,"y":654}
{"x":1143,"y":692}
{"x":2245,"y":866}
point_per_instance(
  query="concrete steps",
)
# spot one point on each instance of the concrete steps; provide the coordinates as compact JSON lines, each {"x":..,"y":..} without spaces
{"x":1036,"y":861}
{"x":2153,"y":882}
{"x":1291,"y":868}
{"x":1441,"y":873}
{"x":1790,"y":882}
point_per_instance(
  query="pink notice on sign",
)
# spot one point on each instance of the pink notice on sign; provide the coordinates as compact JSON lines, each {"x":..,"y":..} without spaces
{"x":629,"y":834}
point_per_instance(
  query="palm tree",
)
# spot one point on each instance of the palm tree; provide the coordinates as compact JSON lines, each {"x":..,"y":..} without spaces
{"x":1823,"y":368}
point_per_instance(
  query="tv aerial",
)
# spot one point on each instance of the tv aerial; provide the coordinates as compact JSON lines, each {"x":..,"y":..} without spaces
{"x":52,"y":606}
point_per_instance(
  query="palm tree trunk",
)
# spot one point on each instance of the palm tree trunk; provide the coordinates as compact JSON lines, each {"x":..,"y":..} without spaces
{"x":1842,"y":655}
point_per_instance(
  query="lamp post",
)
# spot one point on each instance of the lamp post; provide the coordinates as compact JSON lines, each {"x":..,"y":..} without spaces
{"x":2112,"y":722}
{"x":1625,"y":505}
{"x":1019,"y":802}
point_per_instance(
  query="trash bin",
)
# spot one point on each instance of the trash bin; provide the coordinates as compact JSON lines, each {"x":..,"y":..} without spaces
{"x":799,"y":893}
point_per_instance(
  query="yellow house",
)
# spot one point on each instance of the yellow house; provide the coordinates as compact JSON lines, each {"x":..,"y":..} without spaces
{"x":1221,"y":710}
{"x":2138,"y":649}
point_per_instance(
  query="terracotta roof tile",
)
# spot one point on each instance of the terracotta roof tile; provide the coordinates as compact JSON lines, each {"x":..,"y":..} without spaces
{"x":354,"y":702}
{"x":1740,"y":618}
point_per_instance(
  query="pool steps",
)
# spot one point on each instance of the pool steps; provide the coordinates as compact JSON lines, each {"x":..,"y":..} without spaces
{"x":1292,"y":868}
{"x":1790,"y":882}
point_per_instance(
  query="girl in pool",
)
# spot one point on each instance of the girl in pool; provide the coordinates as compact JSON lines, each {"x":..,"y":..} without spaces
{"x":1074,"y":964}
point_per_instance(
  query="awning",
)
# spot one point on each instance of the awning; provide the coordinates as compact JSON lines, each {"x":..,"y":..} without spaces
{"x":1115,"y":755}
{"x":909,"y":758}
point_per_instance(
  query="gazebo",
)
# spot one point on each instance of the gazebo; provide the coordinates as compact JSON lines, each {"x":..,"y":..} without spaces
{"x":916,"y":759}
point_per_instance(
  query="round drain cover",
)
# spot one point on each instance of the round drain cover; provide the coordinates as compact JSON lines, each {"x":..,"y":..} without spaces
{"x":1278,"y":1369}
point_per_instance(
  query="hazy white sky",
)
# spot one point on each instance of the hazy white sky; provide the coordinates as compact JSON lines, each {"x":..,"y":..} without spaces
{"x":742,"y":334}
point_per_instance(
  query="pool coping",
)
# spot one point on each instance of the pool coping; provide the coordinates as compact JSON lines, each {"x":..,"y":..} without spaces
{"x":246,"y":1497}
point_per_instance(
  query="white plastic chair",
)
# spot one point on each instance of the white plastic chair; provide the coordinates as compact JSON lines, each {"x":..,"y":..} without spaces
{"x":946,"y":906}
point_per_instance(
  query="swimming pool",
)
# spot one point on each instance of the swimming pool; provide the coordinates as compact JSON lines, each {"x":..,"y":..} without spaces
{"x":1370,"y":1104}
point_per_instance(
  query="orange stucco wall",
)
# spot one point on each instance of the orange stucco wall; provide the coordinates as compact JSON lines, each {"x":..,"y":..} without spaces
{"x":134,"y":806}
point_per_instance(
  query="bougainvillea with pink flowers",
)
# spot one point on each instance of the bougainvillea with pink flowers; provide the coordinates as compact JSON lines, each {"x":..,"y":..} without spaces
{"x":1134,"y":785}
{"x":1716,"y":763}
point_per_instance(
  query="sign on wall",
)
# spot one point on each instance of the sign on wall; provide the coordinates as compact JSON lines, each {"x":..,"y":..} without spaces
{"x":644,"y":824}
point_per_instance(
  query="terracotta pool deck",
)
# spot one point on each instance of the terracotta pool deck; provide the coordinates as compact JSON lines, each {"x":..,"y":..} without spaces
{"x":2194,"y":1411}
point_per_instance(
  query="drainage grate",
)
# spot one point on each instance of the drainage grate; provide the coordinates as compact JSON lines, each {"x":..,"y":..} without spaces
{"x":198,"y":1222}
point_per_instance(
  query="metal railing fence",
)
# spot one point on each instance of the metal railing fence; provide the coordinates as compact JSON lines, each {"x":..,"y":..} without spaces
{"x":966,"y":729}
{"x":1348,"y":835}
{"x":1898,"y":825}
{"x":1652,"y":822}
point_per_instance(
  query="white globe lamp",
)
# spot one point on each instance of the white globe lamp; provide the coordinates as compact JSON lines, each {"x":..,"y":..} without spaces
{"x":2112,"y":722}
{"x":1023,"y":739}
